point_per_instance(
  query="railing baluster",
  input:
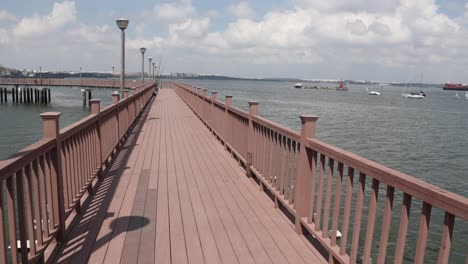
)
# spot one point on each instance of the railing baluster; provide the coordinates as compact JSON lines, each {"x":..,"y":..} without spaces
{"x":403,"y":231}
{"x":357,"y":218}
{"x":22,"y":221}
{"x":3,"y":242}
{"x":337,"y":203}
{"x":347,"y":211}
{"x":34,"y":190}
{"x":387,"y":218}
{"x":318,"y":217}
{"x":446,"y":241}
{"x":28,"y":191}
{"x":12,"y":218}
{"x":312,"y":155}
{"x":44,"y":197}
{"x":371,"y":221}
{"x":423,"y":233}
{"x":326,"y":209}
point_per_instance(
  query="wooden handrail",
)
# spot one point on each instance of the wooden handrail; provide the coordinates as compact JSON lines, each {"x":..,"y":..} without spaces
{"x":306,"y":175}
{"x":55,"y":173}
{"x":451,"y":202}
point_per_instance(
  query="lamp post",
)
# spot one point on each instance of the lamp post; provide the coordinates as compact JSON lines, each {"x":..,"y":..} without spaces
{"x":122,"y":23}
{"x":113,"y":76}
{"x":40,"y":74}
{"x":142,"y":50}
{"x":154,"y":63}
{"x":149,"y":67}
{"x":81,"y":78}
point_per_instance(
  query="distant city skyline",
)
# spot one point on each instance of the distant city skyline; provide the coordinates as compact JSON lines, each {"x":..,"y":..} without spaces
{"x":388,"y":40}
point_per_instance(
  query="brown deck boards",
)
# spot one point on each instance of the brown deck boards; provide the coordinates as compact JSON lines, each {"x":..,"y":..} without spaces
{"x":175,"y":195}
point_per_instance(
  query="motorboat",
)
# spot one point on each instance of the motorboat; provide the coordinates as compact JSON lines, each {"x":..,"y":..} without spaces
{"x":414,"y":95}
{"x":298,"y":85}
{"x":372,"y":92}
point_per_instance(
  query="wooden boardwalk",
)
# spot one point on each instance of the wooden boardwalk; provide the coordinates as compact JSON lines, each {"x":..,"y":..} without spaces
{"x":175,"y":195}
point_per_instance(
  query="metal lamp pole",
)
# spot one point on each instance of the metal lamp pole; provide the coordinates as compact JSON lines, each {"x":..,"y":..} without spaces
{"x":113,"y":76}
{"x":81,"y":78}
{"x":122,"y":23}
{"x":149,"y":67}
{"x":154,"y":63}
{"x":142,"y":50}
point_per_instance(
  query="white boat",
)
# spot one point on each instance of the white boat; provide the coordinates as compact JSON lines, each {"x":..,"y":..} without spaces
{"x":413,"y":96}
{"x":372,"y":92}
{"x":298,"y":85}
{"x":457,"y":96}
{"x":466,"y":95}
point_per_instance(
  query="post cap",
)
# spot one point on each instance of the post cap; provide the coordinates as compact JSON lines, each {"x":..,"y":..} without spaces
{"x":228,"y":96}
{"x":50,"y":115}
{"x":308,"y":118}
{"x":253,"y":103}
{"x":95,"y":100}
{"x":214,"y":92}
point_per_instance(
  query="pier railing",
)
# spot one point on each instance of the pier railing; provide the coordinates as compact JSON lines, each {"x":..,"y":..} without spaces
{"x":42,"y":186}
{"x":333,"y":194}
{"x":105,"y":83}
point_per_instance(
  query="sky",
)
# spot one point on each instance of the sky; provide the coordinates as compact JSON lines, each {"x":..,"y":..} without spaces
{"x":384,"y":40}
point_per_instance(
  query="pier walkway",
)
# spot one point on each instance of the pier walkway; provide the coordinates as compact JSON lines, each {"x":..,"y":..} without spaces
{"x":174,"y":194}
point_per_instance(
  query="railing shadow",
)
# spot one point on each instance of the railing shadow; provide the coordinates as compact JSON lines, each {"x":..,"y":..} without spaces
{"x":81,"y":239}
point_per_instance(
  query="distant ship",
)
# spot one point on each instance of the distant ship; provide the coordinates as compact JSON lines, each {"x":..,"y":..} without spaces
{"x":456,"y":86}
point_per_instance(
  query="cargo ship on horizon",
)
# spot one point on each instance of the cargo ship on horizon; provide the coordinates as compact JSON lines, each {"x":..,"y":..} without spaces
{"x":455,"y":86}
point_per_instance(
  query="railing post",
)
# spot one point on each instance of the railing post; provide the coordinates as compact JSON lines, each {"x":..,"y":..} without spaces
{"x":212,"y":110}
{"x":96,"y":110}
{"x":125,"y":94}
{"x":253,"y":110}
{"x":51,"y":130}
{"x":303,"y":179}
{"x":227,"y":134}
{"x":199,"y":101}
{"x":204,"y":105}
{"x":115,"y":100}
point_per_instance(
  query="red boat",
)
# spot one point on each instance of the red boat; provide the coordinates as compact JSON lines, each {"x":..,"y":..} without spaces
{"x":456,"y":86}
{"x":342,"y":87}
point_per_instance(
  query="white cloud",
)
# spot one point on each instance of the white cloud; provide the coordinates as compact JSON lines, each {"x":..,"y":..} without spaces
{"x":173,"y":12}
{"x":5,"y":16}
{"x":241,"y":10}
{"x":61,"y":15}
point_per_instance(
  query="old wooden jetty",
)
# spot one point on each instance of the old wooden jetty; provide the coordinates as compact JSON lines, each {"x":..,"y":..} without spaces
{"x":182,"y":177}
{"x":94,"y":83}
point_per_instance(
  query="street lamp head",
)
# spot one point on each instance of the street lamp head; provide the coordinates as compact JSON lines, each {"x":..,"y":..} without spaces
{"x":150,"y":59}
{"x":122,"y":23}
{"x":142,"y":50}
{"x":154,"y":63}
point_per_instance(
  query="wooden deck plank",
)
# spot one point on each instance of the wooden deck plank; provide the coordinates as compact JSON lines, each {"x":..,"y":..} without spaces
{"x":206,"y":236}
{"x":223,"y":243}
{"x":148,"y":235}
{"x":175,"y":195}
{"x":210,"y":163}
{"x":162,"y":245}
{"x":175,"y":215}
{"x":121,"y":215}
{"x":237,"y":183}
{"x":239,"y":242}
{"x":192,"y":236}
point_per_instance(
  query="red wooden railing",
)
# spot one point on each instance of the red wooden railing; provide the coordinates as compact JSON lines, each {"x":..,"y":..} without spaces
{"x":44,"y":183}
{"x":315,"y":182}
{"x":107,"y":83}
